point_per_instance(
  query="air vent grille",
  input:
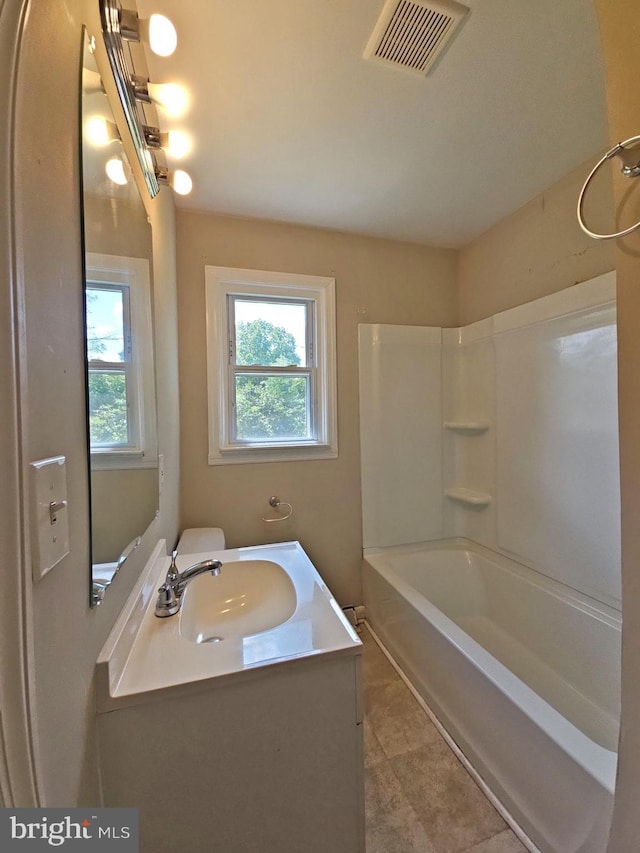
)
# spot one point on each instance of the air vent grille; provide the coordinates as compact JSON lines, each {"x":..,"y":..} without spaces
{"x":411,"y":34}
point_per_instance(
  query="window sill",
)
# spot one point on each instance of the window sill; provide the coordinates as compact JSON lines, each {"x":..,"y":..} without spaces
{"x":270,"y":453}
{"x":112,"y":460}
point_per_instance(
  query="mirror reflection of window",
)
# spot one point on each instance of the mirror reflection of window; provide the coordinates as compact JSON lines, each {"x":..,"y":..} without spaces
{"x":120,"y":362}
{"x":109,"y":356}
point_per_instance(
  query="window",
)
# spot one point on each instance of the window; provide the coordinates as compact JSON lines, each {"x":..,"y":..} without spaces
{"x":120,"y":362}
{"x":109,"y":356}
{"x":271,"y":366}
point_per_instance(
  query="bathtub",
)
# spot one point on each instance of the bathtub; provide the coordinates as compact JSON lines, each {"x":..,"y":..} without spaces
{"x":522,"y":672}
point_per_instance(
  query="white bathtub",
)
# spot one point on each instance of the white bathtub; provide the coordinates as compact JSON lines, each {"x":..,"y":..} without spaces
{"x":522,"y":672}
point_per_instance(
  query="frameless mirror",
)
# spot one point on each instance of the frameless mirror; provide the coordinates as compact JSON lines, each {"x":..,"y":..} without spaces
{"x":121,"y":406}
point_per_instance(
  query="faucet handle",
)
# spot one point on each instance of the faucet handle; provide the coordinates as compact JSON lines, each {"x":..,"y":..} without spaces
{"x":167,"y":604}
{"x":172,"y":572}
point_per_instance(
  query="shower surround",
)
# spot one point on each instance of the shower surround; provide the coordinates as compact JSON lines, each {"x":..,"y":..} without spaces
{"x":512,"y":449}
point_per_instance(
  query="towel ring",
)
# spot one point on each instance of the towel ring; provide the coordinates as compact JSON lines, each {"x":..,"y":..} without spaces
{"x":629,"y":168}
{"x":276,"y":503}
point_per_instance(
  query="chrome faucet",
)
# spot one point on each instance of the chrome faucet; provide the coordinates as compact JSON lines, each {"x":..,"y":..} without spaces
{"x":170,"y":593}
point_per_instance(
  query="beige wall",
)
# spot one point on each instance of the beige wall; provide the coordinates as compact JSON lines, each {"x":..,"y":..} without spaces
{"x":123,"y":505}
{"x":537,"y":250}
{"x":43,"y":411}
{"x":116,"y":227}
{"x":620,"y":32}
{"x":377,"y":281}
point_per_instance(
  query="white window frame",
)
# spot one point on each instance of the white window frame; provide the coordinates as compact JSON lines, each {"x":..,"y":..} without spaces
{"x":134,"y":275}
{"x":221,"y":283}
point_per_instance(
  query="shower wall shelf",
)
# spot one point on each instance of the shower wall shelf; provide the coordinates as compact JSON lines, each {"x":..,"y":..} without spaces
{"x":470,"y":427}
{"x":469,"y":497}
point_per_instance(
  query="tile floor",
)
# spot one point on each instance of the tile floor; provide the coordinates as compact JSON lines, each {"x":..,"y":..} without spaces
{"x":419,"y":798}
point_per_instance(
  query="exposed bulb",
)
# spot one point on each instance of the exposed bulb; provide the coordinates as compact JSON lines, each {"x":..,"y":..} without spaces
{"x":163,"y":38}
{"x":170,"y":96}
{"x":177,"y":144}
{"x":115,"y":171}
{"x":181,"y":182}
{"x":99,"y":131}
{"x":157,"y":31}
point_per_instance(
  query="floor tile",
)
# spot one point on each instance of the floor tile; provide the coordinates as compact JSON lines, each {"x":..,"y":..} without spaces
{"x":452,"y":809}
{"x":376,"y":668}
{"x":392,"y":824}
{"x":373,"y":752}
{"x":399,"y":723}
{"x":419,"y":798}
{"x":504,"y":842}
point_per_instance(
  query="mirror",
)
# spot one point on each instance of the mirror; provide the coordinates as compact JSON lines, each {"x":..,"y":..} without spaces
{"x":121,"y":406}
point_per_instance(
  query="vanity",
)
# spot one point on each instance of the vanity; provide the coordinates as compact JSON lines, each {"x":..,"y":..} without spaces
{"x":235,"y":725}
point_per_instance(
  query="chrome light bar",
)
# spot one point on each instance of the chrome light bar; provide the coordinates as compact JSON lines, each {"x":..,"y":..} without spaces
{"x":116,"y":27}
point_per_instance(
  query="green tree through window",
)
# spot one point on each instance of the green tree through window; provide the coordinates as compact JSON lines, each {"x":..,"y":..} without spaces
{"x":260,"y":342}
{"x":106,"y":329}
{"x":107,"y":408}
{"x":269,"y":406}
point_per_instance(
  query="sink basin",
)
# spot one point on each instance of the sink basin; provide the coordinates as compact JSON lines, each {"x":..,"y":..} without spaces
{"x":246,"y":598}
{"x":269,"y":605}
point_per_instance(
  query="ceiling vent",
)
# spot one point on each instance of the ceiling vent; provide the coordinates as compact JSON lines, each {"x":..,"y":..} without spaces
{"x":411,"y":34}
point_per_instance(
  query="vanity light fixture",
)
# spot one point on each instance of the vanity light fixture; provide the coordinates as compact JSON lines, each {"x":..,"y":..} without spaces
{"x":136,"y":91}
{"x":122,"y":68}
{"x":157,"y":31}
{"x":180,"y":181}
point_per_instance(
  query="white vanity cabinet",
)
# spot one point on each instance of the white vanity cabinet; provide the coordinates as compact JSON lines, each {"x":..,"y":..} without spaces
{"x":265,"y":755}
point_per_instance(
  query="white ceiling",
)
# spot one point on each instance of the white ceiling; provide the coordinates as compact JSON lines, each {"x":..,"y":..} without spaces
{"x":290,"y":122}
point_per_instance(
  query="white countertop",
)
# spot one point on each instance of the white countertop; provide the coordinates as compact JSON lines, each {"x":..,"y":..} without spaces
{"x":145,"y":654}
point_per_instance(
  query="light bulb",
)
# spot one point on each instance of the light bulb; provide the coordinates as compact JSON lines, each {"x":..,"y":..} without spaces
{"x":157,"y":31}
{"x":115,"y":171}
{"x":178,"y":144}
{"x":170,"y":96}
{"x":181,"y":182}
{"x":100,"y":131}
{"x":163,"y":38}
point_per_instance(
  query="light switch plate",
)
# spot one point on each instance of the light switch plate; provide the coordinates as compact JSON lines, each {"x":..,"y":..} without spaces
{"x":50,"y":514}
